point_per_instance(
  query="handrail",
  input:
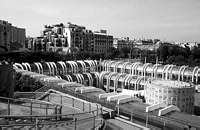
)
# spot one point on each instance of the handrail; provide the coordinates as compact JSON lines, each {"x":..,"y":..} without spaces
{"x":54,"y":123}
{"x":38,"y":107}
{"x":53,"y":115}
{"x":37,"y":124}
{"x":31,"y":102}
{"x":21,"y":100}
{"x":28,"y":92}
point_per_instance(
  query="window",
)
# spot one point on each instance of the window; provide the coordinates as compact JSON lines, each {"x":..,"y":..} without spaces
{"x":141,"y":87}
{"x":104,"y":81}
{"x":132,"y":87}
{"x":111,"y":83}
{"x":118,"y":70}
{"x":126,"y":87}
{"x":159,"y":75}
{"x":127,"y":71}
{"x":119,"y":84}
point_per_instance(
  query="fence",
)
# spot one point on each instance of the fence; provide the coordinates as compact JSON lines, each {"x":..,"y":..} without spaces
{"x":29,"y":105}
{"x":72,"y":120}
{"x":158,"y":121}
{"x":38,"y":121}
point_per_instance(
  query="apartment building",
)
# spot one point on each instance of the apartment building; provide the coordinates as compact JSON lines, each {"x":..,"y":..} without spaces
{"x":102,"y":42}
{"x":10,"y":35}
{"x":72,"y":37}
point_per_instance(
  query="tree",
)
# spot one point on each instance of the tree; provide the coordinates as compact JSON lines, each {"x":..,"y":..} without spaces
{"x":179,"y":60}
{"x":163,"y":52}
{"x":111,"y":53}
{"x":134,"y":52}
{"x":196,"y":52}
{"x":171,"y":60}
{"x":123,"y":52}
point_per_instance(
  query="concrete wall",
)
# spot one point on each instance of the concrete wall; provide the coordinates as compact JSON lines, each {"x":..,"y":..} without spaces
{"x":7,"y":80}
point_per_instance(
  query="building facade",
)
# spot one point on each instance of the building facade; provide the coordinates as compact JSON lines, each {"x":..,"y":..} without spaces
{"x":29,"y":43}
{"x":120,"y":43}
{"x":180,"y":94}
{"x":72,"y":37}
{"x":10,"y":35}
{"x":102,"y":42}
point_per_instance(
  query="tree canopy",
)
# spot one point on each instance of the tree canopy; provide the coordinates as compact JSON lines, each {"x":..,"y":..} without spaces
{"x":174,"y":54}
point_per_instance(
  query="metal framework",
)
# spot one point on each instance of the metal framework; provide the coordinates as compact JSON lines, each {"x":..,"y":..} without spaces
{"x":172,"y":72}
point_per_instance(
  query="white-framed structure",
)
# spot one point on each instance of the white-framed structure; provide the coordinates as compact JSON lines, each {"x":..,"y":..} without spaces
{"x":172,"y":72}
{"x":180,"y":94}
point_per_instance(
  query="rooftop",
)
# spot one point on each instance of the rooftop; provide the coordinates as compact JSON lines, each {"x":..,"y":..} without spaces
{"x":170,"y":83}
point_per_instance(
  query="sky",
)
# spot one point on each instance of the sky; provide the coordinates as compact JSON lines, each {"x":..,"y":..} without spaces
{"x":170,"y":20}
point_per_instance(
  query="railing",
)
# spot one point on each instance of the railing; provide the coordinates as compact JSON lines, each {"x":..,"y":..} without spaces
{"x":28,"y":104}
{"x":31,"y":95}
{"x":112,"y":105}
{"x":94,"y":99}
{"x":38,"y":121}
{"x":72,"y":102}
{"x":160,"y":121}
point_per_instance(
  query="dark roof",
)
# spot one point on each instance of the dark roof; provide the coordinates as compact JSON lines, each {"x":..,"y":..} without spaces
{"x":184,"y":117}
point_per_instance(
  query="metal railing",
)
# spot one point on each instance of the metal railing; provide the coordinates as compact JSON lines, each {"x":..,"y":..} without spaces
{"x":30,"y":95}
{"x":31,"y":104}
{"x":37,"y":121}
{"x":160,"y":121}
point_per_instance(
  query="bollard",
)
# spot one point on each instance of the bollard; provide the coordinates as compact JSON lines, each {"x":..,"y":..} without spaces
{"x":93,"y":120}
{"x":61,"y":100}
{"x":8,"y":107}
{"x":72,"y":102}
{"x":97,"y":110}
{"x":147,"y":117}
{"x":75,"y":123}
{"x":131,"y":116}
{"x":83,"y":106}
{"x":101,"y":110}
{"x":36,"y":124}
{"x":90,"y":107}
{"x":60,"y":112}
{"x":118,"y":110}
